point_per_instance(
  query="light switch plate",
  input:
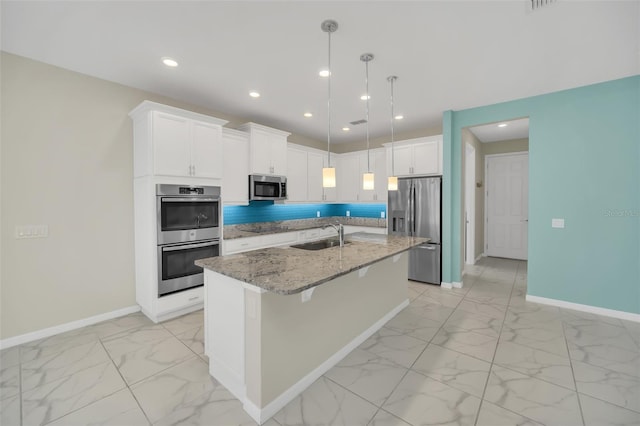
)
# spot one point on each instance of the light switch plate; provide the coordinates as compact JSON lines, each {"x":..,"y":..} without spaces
{"x":557,"y":223}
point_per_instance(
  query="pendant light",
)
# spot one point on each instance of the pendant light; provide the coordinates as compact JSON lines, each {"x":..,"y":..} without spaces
{"x":329,"y":173}
{"x":367,"y":178}
{"x":392,"y":184}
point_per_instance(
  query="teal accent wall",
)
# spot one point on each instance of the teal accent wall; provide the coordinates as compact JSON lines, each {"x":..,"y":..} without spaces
{"x":268,"y":211}
{"x":584,"y":166}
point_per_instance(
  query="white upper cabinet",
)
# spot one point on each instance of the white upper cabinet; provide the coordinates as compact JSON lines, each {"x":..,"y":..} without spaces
{"x":348,"y":178}
{"x":304,"y":175}
{"x":352,"y":166}
{"x":170,"y":141}
{"x":267,"y":149}
{"x":296,"y":174}
{"x":315,"y":163}
{"x":420,"y":156}
{"x":235,"y":179}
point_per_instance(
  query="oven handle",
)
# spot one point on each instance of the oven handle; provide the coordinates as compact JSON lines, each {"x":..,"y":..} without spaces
{"x":189,"y":200}
{"x":190,"y":246}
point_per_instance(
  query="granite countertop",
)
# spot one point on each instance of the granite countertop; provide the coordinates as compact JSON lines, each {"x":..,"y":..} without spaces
{"x":288,"y":270}
{"x":264,"y":228}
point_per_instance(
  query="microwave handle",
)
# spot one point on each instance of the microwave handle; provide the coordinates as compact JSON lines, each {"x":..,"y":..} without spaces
{"x":194,"y":200}
{"x":190,"y":246}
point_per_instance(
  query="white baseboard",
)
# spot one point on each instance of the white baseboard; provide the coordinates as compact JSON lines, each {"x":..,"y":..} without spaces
{"x":629,"y":316}
{"x":262,"y":415}
{"x":73,"y":325}
{"x":454,"y":284}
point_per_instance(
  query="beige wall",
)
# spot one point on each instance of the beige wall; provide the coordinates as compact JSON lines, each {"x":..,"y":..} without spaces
{"x":469,"y":138}
{"x":377,"y":143}
{"x":66,"y":162}
{"x":482,"y":150}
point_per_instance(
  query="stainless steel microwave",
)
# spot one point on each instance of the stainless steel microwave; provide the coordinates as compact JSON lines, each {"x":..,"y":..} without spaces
{"x":267,"y":187}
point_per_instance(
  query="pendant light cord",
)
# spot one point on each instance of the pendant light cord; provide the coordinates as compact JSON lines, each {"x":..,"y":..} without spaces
{"x":329,"y":105}
{"x":392,"y":79}
{"x":367,"y":114}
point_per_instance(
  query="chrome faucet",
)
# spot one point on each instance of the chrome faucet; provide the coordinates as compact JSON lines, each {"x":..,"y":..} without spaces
{"x":340,"y":229}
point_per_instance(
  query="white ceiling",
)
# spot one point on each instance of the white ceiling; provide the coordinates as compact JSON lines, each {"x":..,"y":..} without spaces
{"x":502,"y":130}
{"x":447,"y":54}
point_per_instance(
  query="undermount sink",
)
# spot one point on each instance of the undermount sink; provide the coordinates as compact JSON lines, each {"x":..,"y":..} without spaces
{"x":320,"y":245}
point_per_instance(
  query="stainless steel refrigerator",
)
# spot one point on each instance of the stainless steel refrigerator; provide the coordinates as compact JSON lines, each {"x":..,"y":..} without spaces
{"x":415,"y":210}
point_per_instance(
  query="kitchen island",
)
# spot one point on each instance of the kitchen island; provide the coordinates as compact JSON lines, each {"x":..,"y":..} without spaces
{"x":276,"y":319}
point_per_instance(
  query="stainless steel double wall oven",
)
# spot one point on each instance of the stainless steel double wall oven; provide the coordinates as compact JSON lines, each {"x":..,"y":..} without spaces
{"x":188,"y":230}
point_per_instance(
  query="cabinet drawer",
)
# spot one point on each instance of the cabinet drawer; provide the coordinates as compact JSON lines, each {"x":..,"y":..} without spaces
{"x":280,"y":239}
{"x":239,"y":245}
{"x":184,"y":299}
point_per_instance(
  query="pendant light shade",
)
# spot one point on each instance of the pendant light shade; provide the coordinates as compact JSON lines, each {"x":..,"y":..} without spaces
{"x":368,"y":181}
{"x":329,"y":173}
{"x":368,"y":178}
{"x":392,"y":184}
{"x":328,"y":177}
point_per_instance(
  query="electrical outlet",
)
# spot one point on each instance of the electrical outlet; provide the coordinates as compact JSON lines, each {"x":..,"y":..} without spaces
{"x":382,"y":215}
{"x":557,"y":223}
{"x":318,"y":213}
{"x":348,"y":213}
{"x":31,"y":231}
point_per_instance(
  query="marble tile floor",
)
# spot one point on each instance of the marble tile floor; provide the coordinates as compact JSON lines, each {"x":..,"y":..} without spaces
{"x":480,"y":355}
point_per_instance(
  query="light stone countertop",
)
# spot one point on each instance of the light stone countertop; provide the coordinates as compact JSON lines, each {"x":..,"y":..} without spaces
{"x":232,"y":232}
{"x":288,"y":270}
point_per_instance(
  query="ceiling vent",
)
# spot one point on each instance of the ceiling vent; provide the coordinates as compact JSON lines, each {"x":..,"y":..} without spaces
{"x":533,"y":5}
{"x":355,"y":123}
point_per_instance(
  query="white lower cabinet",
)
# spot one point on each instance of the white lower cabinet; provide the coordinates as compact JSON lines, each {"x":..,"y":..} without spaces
{"x":239,"y":245}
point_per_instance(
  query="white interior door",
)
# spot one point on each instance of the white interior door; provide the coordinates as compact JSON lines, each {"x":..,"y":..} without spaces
{"x":470,"y":204}
{"x":507,"y":205}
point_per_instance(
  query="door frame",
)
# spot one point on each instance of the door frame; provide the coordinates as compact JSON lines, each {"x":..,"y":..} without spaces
{"x":470,"y":204}
{"x":486,"y":186}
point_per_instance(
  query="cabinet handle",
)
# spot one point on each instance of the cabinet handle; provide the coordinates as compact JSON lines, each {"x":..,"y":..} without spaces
{"x":191,"y":299}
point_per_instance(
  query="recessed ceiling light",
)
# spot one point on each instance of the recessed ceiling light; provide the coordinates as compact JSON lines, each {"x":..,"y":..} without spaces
{"x":365,"y":97}
{"x":399,"y":117}
{"x":308,"y":114}
{"x":502,"y":125}
{"x":169,"y":62}
{"x":324,"y":73}
{"x":254,"y":94}
{"x":346,"y":129}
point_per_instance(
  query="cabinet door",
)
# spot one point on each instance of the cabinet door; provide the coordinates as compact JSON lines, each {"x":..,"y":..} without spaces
{"x":278,"y":155}
{"x":235,"y":179}
{"x":315,"y":163}
{"x":260,"y":153}
{"x":381,"y":181}
{"x":426,"y":158}
{"x":348,"y":178}
{"x":297,"y":175}
{"x":206,"y":150}
{"x":403,"y":160}
{"x":171,"y":146}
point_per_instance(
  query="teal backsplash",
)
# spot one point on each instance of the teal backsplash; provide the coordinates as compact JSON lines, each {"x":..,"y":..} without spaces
{"x":268,"y":211}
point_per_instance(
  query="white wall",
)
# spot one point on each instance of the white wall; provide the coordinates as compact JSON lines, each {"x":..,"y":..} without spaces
{"x":67,"y":162}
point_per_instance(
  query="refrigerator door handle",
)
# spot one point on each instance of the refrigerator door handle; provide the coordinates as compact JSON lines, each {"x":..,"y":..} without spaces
{"x":426,"y":247}
{"x":413,"y":214}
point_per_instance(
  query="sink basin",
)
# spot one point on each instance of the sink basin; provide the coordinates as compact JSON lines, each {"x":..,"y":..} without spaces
{"x":320,"y":245}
